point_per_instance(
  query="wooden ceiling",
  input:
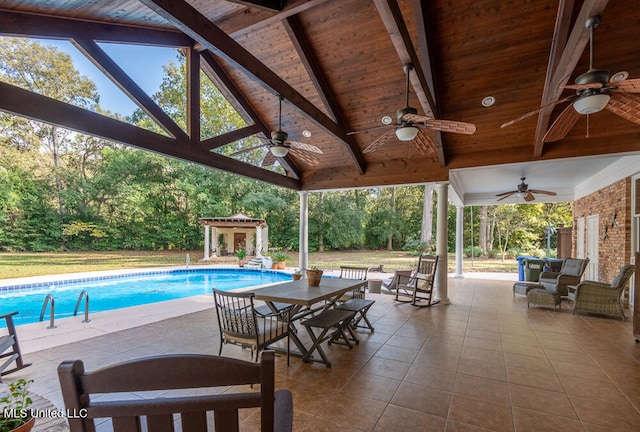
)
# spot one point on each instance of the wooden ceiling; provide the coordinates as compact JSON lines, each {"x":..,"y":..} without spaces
{"x":339,"y":66}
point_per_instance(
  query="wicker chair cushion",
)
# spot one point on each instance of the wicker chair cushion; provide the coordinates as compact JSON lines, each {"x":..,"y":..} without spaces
{"x":572,"y":267}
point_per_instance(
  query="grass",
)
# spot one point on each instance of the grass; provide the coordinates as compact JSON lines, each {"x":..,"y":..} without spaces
{"x":24,"y":264}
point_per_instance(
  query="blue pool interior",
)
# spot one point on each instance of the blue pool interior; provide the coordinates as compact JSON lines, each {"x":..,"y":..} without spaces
{"x":115,"y":292}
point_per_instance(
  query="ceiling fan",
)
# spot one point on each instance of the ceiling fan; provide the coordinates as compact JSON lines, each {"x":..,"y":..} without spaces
{"x":411,"y":127}
{"x":279,"y":146}
{"x":524,"y":192}
{"x":595,"y":90}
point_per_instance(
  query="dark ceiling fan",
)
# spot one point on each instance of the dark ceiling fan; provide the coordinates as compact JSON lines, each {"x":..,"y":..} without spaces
{"x":595,"y":91}
{"x":524,"y":192}
{"x":280,"y":145}
{"x":411,"y":127}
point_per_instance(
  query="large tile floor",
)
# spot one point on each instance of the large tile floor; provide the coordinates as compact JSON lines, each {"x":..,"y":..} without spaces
{"x":485,"y":362}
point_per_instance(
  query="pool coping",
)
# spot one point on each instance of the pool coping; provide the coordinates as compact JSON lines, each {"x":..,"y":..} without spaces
{"x":37,"y":336}
{"x":38,"y":282}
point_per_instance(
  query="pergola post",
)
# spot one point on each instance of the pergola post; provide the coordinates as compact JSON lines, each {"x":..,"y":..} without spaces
{"x":459,"y":241}
{"x":206,"y":242}
{"x":214,"y":235}
{"x":441,"y":243}
{"x":258,"y":241}
{"x":303,"y":254}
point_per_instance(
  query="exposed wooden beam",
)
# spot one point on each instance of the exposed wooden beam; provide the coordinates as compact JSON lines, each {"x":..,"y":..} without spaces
{"x":120,"y":78}
{"x":396,"y":27}
{"x":230,"y":90}
{"x":250,"y":19}
{"x":566,"y":63}
{"x":24,"y":103}
{"x":276,"y":5}
{"x":193,"y":95}
{"x":560,"y":35}
{"x":229,"y":137}
{"x":302,"y":46}
{"x":422,"y":30}
{"x":236,"y":98}
{"x":48,"y":27}
{"x":199,"y":28}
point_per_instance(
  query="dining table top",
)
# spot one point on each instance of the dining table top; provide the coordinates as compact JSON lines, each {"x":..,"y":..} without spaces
{"x":300,"y":293}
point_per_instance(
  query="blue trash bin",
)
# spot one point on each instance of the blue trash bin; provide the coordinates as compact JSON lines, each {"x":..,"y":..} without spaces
{"x":521,"y":265}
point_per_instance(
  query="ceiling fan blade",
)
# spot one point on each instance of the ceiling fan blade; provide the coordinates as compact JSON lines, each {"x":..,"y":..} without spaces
{"x":442,"y":125}
{"x":562,"y":125}
{"x":303,"y":146}
{"x":268,"y":160}
{"x":304,"y":156}
{"x":378,"y":142}
{"x":628,"y":86}
{"x":543,"y":192}
{"x":372,"y":129}
{"x":529,"y":114}
{"x":625,"y":106}
{"x":423,"y":143}
{"x":529,"y":197}
{"x":506,"y":195}
{"x":246,"y":150}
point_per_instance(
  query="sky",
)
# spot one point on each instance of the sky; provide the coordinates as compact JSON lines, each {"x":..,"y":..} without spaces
{"x":142,"y":63}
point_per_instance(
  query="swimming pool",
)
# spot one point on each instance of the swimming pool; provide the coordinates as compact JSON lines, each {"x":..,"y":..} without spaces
{"x":120,"y":291}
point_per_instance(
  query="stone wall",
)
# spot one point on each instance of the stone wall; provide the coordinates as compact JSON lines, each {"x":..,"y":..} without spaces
{"x":612,"y":205}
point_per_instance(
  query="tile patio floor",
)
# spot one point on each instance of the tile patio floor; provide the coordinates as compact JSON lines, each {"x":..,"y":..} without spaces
{"x":485,"y":362}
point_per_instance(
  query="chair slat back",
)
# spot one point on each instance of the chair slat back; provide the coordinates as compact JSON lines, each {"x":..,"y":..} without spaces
{"x":347,"y":272}
{"x":427,"y":264}
{"x":173,"y":372}
{"x":236,"y":313}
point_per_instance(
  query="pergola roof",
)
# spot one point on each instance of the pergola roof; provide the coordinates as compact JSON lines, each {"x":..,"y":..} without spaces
{"x":339,"y":67}
{"x":238,"y":220}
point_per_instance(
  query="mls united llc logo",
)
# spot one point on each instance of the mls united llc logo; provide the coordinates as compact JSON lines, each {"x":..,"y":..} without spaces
{"x":45,"y":413}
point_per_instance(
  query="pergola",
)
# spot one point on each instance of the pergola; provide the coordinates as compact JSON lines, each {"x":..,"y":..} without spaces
{"x":236,"y":221}
{"x":338,"y":65}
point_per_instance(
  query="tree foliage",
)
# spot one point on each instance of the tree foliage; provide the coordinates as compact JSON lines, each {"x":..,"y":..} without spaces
{"x":66,"y":190}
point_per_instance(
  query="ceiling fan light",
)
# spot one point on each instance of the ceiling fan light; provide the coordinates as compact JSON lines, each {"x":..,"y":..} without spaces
{"x":590,"y":104}
{"x":406,"y":133}
{"x":279,"y":151}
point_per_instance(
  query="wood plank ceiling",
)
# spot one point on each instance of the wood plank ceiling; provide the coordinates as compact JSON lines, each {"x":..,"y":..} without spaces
{"x":339,"y":67}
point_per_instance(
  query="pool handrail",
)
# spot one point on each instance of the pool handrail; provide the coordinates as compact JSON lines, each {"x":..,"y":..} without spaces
{"x":47,"y":299}
{"x":84,"y":294}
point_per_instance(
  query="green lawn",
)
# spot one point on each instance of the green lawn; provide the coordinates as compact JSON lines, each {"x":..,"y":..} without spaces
{"x":13,"y":265}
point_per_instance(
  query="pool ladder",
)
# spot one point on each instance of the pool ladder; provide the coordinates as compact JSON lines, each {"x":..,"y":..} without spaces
{"x":49,"y":299}
{"x":86,"y":306}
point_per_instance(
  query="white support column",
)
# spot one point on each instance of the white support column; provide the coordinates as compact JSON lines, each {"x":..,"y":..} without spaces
{"x":303,"y":254}
{"x":206,"y":242}
{"x":459,"y":241}
{"x":441,"y":243}
{"x":214,"y":236}
{"x":258,"y":241}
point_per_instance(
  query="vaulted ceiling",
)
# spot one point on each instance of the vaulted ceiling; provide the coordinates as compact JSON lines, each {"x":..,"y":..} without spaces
{"x":339,"y":67}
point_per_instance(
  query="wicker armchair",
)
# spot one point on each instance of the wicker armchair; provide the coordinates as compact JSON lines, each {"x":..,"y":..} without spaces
{"x":570,"y":274}
{"x":602,"y":298}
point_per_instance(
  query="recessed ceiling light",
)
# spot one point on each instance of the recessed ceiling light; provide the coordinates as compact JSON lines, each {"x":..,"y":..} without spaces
{"x":387,"y":120}
{"x":488,"y":101}
{"x":620,"y":76}
{"x":306,"y":133}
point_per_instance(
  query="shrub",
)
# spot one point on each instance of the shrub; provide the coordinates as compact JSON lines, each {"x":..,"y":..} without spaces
{"x":477,"y":251}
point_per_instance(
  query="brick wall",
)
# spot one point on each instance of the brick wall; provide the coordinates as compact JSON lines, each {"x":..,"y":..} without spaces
{"x":614,"y":236}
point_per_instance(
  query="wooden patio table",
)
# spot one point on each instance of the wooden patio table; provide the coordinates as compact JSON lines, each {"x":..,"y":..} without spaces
{"x":303,"y":297}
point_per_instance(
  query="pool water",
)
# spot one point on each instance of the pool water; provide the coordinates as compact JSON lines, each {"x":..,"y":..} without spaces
{"x":124,"y":291}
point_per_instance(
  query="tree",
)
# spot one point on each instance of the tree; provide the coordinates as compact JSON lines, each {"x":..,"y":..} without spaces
{"x":427,"y":214}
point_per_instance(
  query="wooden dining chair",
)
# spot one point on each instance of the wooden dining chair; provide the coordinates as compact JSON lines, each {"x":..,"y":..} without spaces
{"x":241,"y":324}
{"x":117,"y":393}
